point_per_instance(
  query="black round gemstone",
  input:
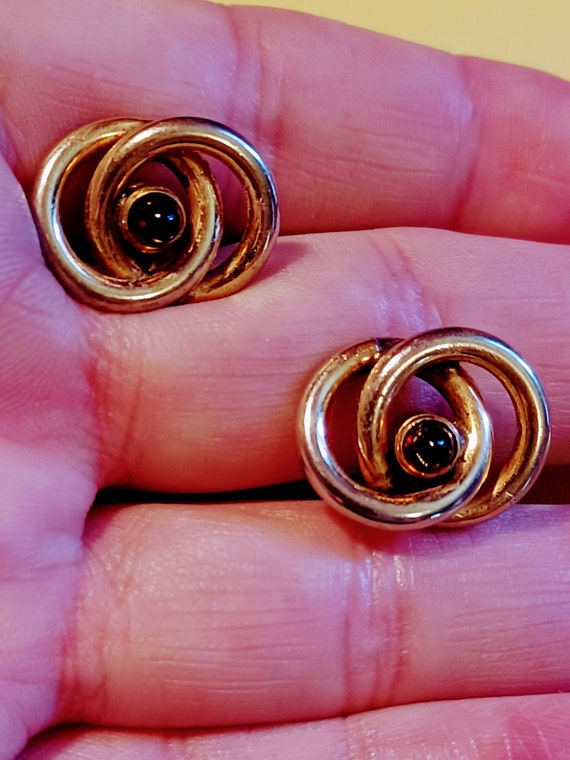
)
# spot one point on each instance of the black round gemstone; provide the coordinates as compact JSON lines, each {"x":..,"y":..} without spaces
{"x":155,"y":219}
{"x":429,"y":446}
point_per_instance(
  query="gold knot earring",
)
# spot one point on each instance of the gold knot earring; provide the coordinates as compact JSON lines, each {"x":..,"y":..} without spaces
{"x":433,"y":470}
{"x":144,"y":246}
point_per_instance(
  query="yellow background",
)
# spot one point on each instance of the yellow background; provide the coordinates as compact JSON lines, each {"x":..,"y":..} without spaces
{"x":530,"y":32}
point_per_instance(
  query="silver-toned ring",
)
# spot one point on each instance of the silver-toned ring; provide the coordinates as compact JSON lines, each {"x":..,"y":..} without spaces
{"x":433,"y":470}
{"x":147,"y":246}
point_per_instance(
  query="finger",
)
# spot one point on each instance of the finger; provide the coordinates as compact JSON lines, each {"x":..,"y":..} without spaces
{"x":361,"y":130}
{"x":484,"y":728}
{"x":203,"y":616}
{"x":205,"y":397}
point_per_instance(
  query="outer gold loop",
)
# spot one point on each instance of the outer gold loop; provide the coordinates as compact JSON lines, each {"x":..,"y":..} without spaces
{"x":116,"y":281}
{"x":464,"y":497}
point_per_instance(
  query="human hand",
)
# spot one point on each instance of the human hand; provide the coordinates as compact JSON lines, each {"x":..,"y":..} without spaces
{"x":150,"y":622}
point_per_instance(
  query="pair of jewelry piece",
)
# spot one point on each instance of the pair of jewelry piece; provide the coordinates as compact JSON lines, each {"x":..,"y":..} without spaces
{"x":151,"y":237}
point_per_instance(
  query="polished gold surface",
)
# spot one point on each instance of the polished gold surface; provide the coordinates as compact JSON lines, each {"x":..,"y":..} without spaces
{"x":110,"y":270}
{"x":460,"y":493}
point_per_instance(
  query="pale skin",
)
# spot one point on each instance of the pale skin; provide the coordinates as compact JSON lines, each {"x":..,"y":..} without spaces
{"x":153,"y":630}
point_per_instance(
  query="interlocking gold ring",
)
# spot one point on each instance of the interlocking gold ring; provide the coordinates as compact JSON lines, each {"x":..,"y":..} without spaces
{"x":433,"y":470}
{"x":146,"y":246}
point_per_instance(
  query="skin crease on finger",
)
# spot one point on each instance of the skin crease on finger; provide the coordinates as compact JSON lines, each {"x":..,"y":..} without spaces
{"x":522,"y":728}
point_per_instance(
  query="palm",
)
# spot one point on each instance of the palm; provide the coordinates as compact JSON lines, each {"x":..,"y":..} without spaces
{"x":154,"y":619}
{"x":49,"y":466}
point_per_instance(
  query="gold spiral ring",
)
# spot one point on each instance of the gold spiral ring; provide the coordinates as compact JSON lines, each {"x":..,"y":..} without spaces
{"x":125,"y":266}
{"x":434,"y":470}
